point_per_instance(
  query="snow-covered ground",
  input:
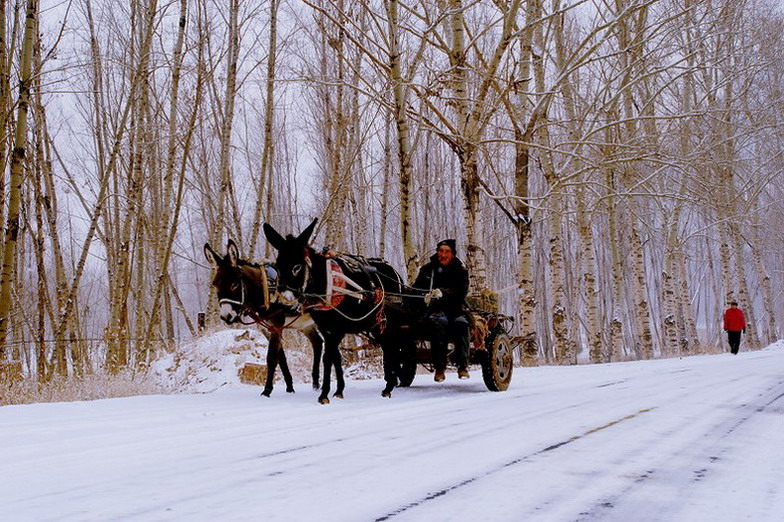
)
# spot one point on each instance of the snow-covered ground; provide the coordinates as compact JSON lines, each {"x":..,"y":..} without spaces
{"x":693,"y":439}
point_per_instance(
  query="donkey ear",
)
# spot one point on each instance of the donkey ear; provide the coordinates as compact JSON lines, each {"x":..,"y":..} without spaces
{"x":304,"y":236}
{"x":232,"y":252}
{"x":212,"y":256}
{"x":275,"y":239}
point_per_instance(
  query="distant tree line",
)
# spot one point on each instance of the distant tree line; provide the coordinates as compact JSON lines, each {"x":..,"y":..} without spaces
{"x":612,"y":169}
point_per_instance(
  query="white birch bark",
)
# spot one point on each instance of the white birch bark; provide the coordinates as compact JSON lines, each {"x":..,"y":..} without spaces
{"x":669,"y":314}
{"x":404,"y":148}
{"x":172,"y":221}
{"x":5,"y":104}
{"x":769,"y":324}
{"x":629,"y":63}
{"x":690,"y":343}
{"x":11,"y":234}
{"x":587,"y":265}
{"x":225,"y":188}
{"x":522,"y":209}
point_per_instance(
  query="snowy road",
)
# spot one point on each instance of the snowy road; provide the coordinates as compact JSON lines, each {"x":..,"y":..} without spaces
{"x":693,"y":439}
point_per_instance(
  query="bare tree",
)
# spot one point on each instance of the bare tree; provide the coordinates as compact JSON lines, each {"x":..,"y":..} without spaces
{"x":11,"y":234}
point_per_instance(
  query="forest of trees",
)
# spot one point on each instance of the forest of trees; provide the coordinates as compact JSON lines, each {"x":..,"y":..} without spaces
{"x":611,"y":168}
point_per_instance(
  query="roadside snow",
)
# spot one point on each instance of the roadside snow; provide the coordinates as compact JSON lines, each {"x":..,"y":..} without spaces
{"x":210,"y":362}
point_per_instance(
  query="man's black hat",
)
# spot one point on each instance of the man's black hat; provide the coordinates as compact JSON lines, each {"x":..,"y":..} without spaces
{"x":451,"y":243}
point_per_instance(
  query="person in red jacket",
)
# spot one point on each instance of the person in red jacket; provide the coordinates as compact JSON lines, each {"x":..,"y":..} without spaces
{"x":734,"y":325}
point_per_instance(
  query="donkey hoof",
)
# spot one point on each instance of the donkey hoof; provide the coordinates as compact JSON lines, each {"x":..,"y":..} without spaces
{"x":323,"y":400}
{"x":290,"y":390}
{"x":266,"y":393}
{"x":338,"y":395}
{"x":387,"y":394}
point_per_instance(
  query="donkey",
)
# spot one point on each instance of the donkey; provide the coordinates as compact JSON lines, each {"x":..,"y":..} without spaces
{"x":250,"y":291}
{"x":343,"y":294}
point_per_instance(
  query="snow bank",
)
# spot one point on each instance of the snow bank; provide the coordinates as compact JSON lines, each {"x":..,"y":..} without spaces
{"x":778,"y":345}
{"x":211,"y":361}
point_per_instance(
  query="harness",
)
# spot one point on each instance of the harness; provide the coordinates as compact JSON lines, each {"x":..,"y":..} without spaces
{"x":339,"y":286}
{"x":246,"y":310}
{"x":265,"y":294}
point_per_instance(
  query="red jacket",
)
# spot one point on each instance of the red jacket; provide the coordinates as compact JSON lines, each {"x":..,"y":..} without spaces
{"x":734,"y":320}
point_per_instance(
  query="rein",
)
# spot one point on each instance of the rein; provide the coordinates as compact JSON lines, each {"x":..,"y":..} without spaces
{"x":334,"y":308}
{"x":257,"y":319}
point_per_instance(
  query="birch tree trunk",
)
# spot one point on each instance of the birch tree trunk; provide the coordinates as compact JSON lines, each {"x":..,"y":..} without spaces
{"x":172,"y":221}
{"x":589,"y":281}
{"x":470,"y":117}
{"x":769,"y":325}
{"x":226,"y":204}
{"x":106,"y":173}
{"x":11,"y":234}
{"x":669,"y":313}
{"x":266,"y":181}
{"x":521,"y":205}
{"x":587,"y":265}
{"x":617,"y":325}
{"x":143,"y":170}
{"x":47,"y":196}
{"x":44,"y":306}
{"x":744,"y":296}
{"x":128,"y":244}
{"x":466,"y":147}
{"x":335,"y":130}
{"x":691,"y":340}
{"x":471,"y":122}
{"x":356,"y":196}
{"x":5,"y":107}
{"x":404,"y":151}
{"x":630,"y":62}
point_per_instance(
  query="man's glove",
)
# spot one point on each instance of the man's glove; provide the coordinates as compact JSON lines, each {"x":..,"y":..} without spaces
{"x":744,"y":331}
{"x":436,"y":293}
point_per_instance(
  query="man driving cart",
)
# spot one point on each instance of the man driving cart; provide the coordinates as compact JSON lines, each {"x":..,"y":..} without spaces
{"x":445,"y":279}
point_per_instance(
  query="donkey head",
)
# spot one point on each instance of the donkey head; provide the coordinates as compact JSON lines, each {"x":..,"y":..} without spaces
{"x":229,"y":282}
{"x":293,"y":261}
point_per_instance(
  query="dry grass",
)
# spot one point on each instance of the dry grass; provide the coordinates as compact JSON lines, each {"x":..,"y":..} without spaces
{"x":90,"y":387}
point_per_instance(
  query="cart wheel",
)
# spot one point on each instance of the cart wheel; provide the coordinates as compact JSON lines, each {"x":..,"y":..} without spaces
{"x":497,"y":366}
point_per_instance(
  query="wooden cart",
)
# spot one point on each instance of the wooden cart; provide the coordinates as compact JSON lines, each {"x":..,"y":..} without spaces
{"x":491,"y":346}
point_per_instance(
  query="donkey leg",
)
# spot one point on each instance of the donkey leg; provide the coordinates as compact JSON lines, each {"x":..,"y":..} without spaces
{"x":318,"y":349}
{"x":325,"y":383}
{"x":272,"y":361}
{"x":337,"y":362}
{"x":284,"y":369}
{"x":324,"y":395}
{"x":389,"y":352}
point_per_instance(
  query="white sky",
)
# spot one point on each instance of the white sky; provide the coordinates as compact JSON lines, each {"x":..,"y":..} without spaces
{"x":694,"y":439}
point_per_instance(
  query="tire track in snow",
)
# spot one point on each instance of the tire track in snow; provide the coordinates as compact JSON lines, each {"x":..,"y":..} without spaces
{"x":511,"y":463}
{"x":703,"y":465}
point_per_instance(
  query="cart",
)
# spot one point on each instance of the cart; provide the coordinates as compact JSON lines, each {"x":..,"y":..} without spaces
{"x":490,"y":346}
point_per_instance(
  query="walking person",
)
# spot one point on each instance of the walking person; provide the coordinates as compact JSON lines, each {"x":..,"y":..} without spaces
{"x":734,"y":325}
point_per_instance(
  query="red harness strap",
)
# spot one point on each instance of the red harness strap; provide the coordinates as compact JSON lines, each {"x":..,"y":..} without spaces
{"x":337,"y":287}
